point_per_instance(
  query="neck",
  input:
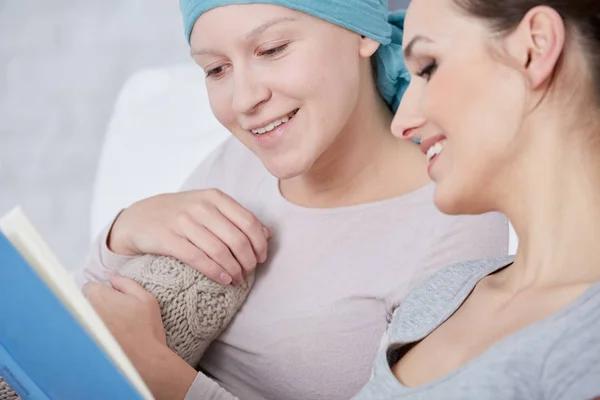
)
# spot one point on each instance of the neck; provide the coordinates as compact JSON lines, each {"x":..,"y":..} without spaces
{"x":366,"y":163}
{"x":553,"y":203}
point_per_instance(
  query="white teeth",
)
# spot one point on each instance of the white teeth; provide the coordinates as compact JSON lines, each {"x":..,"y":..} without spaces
{"x":273,"y":124}
{"x":434,"y":150}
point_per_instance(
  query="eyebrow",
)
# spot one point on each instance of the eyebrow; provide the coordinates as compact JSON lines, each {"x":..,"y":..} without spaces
{"x":253,"y":33}
{"x":409,"y":48}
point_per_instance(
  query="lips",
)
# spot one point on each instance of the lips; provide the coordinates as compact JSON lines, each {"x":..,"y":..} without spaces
{"x":267,"y":127}
{"x":429,"y":142}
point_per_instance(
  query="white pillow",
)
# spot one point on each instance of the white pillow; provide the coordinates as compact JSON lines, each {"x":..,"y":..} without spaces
{"x":161,"y":128}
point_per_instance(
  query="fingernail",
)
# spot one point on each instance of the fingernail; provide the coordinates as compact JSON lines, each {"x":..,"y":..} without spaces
{"x":266,"y":231}
{"x":225,"y":278}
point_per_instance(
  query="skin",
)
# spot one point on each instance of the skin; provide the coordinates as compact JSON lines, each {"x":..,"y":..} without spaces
{"x":339,"y":151}
{"x":263,"y":62}
{"x":268,"y":61}
{"x":516,"y":142}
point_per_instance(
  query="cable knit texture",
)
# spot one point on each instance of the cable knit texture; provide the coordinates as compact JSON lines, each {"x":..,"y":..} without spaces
{"x":194,"y":309}
{"x":6,"y":393}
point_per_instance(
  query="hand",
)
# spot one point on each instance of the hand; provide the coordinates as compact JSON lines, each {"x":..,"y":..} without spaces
{"x":133,"y":317}
{"x":130,"y":312}
{"x":205,"y":229}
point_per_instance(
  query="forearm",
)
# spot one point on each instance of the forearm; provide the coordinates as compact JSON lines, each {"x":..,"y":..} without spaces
{"x":100,"y":261}
{"x":173,"y":379}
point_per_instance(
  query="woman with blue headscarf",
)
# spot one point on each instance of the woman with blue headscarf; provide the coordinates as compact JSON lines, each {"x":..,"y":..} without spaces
{"x":312,"y":185}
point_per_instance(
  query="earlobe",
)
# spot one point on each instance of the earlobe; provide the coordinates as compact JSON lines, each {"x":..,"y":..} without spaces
{"x":368,"y":47}
{"x":545,"y":32}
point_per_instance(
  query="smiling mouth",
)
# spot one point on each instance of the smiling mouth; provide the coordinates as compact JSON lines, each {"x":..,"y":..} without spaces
{"x":274,"y":124}
{"x":435,"y":150}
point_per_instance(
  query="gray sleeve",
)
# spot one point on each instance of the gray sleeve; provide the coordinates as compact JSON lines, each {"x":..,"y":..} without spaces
{"x":205,"y":388}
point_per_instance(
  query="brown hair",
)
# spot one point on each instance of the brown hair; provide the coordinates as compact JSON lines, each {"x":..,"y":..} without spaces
{"x":581,"y":15}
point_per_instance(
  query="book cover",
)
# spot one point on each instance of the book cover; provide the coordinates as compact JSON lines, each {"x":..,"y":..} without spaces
{"x":45,"y":351}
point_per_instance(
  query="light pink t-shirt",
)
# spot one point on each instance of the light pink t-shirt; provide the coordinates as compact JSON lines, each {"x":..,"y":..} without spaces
{"x":312,"y":324}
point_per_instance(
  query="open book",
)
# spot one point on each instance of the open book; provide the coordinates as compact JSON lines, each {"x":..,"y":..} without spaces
{"x":53,"y":345}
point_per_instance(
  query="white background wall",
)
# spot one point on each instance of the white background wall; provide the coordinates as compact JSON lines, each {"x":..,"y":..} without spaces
{"x":62,"y":63}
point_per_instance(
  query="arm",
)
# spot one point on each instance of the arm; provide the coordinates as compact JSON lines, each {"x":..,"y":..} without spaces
{"x":176,"y":225}
{"x":102,"y":260}
{"x":171,"y":378}
{"x":204,"y":388}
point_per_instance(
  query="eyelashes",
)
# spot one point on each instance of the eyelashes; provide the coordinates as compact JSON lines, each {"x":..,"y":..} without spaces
{"x":215,"y":71}
{"x":218,"y":71}
{"x":428,"y":71}
{"x":273,"y":51}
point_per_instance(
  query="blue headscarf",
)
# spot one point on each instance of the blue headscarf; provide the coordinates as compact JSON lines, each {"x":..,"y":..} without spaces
{"x":369,"y":18}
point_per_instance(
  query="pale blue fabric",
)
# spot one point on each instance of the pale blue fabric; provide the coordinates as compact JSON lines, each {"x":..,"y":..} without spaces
{"x":365,"y":17}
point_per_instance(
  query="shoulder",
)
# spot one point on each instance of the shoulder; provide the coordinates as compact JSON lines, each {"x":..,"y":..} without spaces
{"x":231,"y":167}
{"x":434,"y":300}
{"x":457,"y":239}
{"x":476,"y":236}
{"x":572,"y":364}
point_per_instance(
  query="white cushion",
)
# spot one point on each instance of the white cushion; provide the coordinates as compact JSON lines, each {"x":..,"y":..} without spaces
{"x":161,"y":128}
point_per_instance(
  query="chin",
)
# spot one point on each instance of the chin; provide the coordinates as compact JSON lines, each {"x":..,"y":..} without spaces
{"x":455,"y":199}
{"x":285,"y":170}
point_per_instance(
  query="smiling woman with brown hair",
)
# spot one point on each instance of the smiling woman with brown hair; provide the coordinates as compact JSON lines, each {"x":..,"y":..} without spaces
{"x":522,"y":140}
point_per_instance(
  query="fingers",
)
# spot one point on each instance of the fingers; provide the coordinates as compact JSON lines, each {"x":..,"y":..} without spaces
{"x":235,"y":240}
{"x":214,"y":248}
{"x":128,"y":286}
{"x":253,"y":230}
{"x":191,"y":255}
{"x":96,"y":293}
{"x":90,"y":289}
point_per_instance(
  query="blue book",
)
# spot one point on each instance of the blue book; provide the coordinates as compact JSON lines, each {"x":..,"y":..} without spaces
{"x":53,"y":345}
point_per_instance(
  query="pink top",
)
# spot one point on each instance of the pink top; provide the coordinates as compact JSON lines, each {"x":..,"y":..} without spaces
{"x":312,"y":324}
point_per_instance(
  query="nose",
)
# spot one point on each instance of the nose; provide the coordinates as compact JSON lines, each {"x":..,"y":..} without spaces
{"x":408,"y":118}
{"x":248,"y":92}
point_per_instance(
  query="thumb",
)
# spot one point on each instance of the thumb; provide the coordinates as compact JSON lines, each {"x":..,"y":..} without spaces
{"x":127,"y":286}
{"x":267,"y":232}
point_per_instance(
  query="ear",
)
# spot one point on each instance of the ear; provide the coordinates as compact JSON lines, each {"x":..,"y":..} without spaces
{"x":367,"y":47}
{"x":539,"y":39}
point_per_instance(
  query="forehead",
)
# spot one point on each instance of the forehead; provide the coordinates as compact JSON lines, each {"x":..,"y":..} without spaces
{"x":442,"y":21}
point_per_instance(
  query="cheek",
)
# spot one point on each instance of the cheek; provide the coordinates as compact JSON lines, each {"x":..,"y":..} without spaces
{"x":481,"y":116}
{"x":220,"y":97}
{"x":479,"y":109}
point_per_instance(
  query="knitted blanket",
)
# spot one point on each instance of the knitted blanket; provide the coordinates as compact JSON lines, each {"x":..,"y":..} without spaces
{"x":194,"y":309}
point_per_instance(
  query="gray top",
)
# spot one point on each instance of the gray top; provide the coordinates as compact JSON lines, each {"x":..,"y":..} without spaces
{"x":555,"y":358}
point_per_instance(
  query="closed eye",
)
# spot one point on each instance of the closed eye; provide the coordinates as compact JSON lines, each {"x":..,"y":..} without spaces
{"x":274,"y":50}
{"x":216,"y":72}
{"x":428,"y":71}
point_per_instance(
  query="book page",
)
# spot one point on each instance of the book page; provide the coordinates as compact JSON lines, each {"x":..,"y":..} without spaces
{"x":23,"y":235}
